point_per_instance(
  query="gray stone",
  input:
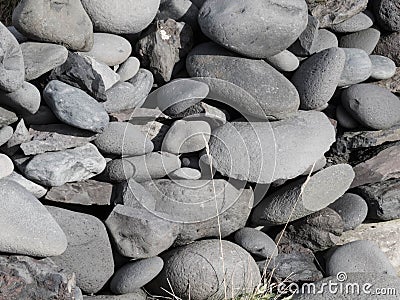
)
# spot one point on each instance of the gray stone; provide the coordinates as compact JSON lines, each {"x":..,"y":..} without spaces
{"x":178,"y":95}
{"x":135,"y":275}
{"x":252,"y":87}
{"x":239,"y":149}
{"x":139,"y":233}
{"x":138,"y":295}
{"x":88,"y":192}
{"x":37,"y":190}
{"x":40,"y":58}
{"x":387,"y":14}
{"x":179,"y":10}
{"x":12,"y":63}
{"x":123,"y":139}
{"x":58,"y":168}
{"x":256,"y":242}
{"x":118,"y":170}
{"x":317,"y":78}
{"x":352,"y":208}
{"x":383,"y":199}
{"x":6,"y":133}
{"x":133,"y":194}
{"x":64,"y":23}
{"x":304,"y":45}
{"x":185,"y":173}
{"x":284,"y":61}
{"x":372,"y":106}
{"x":108,"y":76}
{"x":333,"y":11}
{"x":7,"y":117}
{"x":357,"y":67}
{"x":122,"y":17}
{"x":29,"y":229}
{"x":388,"y":46}
{"x":325,"y":40}
{"x":74,"y":107}
{"x":256,"y":29}
{"x":186,"y":137}
{"x":345,"y":119}
{"x":86,"y":236}
{"x":365,"y":39}
{"x":130,"y":94}
{"x":369,"y":281}
{"x":356,"y":23}
{"x":163,"y":46}
{"x":55,"y":137}
{"x":6,"y":166}
{"x":109,"y":49}
{"x":24,"y":277}
{"x":382,"y":67}
{"x":181,"y":266}
{"x":25,"y":100}
{"x":303,"y":196}
{"x":358,"y":256}
{"x":128,"y":69}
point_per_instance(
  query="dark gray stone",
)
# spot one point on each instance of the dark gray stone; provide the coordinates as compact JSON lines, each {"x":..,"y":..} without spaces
{"x":357,"y":67}
{"x":40,"y":58}
{"x":65,"y":23}
{"x":365,"y":39}
{"x":252,"y":87}
{"x":382,"y":67}
{"x":12,"y":63}
{"x":74,"y":107}
{"x":317,"y":78}
{"x":358,"y":256}
{"x":389,"y":46}
{"x":89,"y":253}
{"x":254,"y":28}
{"x":29,"y":228}
{"x":25,"y":100}
{"x":345,"y":119}
{"x":135,"y":275}
{"x":44,"y":116}
{"x":372,"y":106}
{"x":256,"y":242}
{"x":356,"y":23}
{"x":387,"y":14}
{"x":352,"y":208}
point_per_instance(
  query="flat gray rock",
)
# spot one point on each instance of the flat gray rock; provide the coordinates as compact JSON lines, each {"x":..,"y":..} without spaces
{"x":74,"y":107}
{"x":86,"y":235}
{"x":122,"y":17}
{"x":356,"y":23}
{"x":123,"y":139}
{"x":66,"y":23}
{"x":382,"y":67}
{"x":352,"y":208}
{"x":277,"y":208}
{"x":254,"y":28}
{"x":110,"y":49}
{"x":317,"y":78}
{"x":284,"y":61}
{"x":135,"y":275}
{"x":128,"y":69}
{"x":387,"y":14}
{"x":372,"y":106}
{"x":29,"y":229}
{"x":252,"y":87}
{"x":25,"y":100}
{"x":37,"y":190}
{"x":6,"y":166}
{"x":12,"y":64}
{"x":58,"y":168}
{"x":366,"y":40}
{"x":40,"y":58}
{"x":357,"y":67}
{"x":256,"y":242}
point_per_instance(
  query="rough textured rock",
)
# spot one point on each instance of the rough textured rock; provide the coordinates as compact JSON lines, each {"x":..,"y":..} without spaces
{"x":252,"y":87}
{"x":163,"y":46}
{"x":317,"y":78}
{"x":74,"y":107}
{"x":284,"y":61}
{"x":135,"y":275}
{"x":332,"y":12}
{"x":352,"y":208}
{"x":12,"y":63}
{"x":389,"y":46}
{"x":37,"y":190}
{"x":315,"y":231}
{"x":23,"y":277}
{"x":40,"y":58}
{"x":356,"y":23}
{"x":7,"y":117}
{"x":372,"y":106}
{"x":63,"y":23}
{"x":58,"y":168}
{"x":181,"y":268}
{"x":383,"y":199}
{"x":387,"y":14}
{"x":382,"y":67}
{"x":279,"y":207}
{"x":256,"y":242}
{"x":238,"y":149}
{"x":358,"y":256}
{"x":29,"y":229}
{"x":256,"y":29}
{"x":86,"y":235}
{"x":25,"y":100}
{"x":357,"y":67}
{"x":365,"y":39}
{"x":88,"y":192}
{"x":121,"y":17}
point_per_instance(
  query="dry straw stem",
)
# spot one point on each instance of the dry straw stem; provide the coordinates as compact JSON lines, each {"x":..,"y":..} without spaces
{"x":6,"y":10}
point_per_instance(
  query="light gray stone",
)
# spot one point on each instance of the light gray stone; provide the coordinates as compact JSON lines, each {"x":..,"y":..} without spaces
{"x":7,"y":117}
{"x":6,"y":133}
{"x":6,"y":166}
{"x":357,"y":67}
{"x":185,"y":174}
{"x":129,"y":68}
{"x":21,"y":135}
{"x":382,"y":67}
{"x":37,"y":190}
{"x":284,"y":61}
{"x":325,"y":40}
{"x":25,"y":100}
{"x":365,"y":39}
{"x":256,"y":242}
{"x":358,"y":22}
{"x":107,"y":74}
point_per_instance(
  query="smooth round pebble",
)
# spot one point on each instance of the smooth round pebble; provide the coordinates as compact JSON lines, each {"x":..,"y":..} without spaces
{"x":365,"y":39}
{"x":325,"y":40}
{"x":382,"y":67}
{"x":345,"y":119}
{"x":357,"y":67}
{"x":284,"y":61}
{"x":25,"y":100}
{"x":128,"y":69}
{"x":135,"y":275}
{"x":6,"y":166}
{"x":352,"y":208}
{"x":256,"y":242}
{"x":185,"y":174}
